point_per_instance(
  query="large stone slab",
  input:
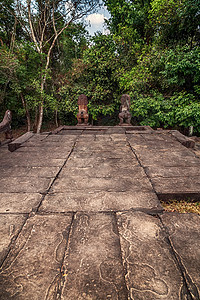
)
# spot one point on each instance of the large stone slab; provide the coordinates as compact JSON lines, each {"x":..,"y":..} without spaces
{"x":177,"y":185}
{"x":51,"y":152}
{"x":47,"y":172}
{"x":151,"y":269}
{"x":29,"y":156}
{"x":169,"y":161}
{"x":167,"y":172}
{"x":89,"y":184}
{"x":32,"y":162}
{"x":32,"y":269}
{"x":100,"y":201}
{"x":48,"y":144}
{"x":19,"y":202}
{"x":184,"y":233}
{"x":24,"y":185}
{"x":10,"y":226}
{"x":163,"y":153}
{"x":93,"y":265}
{"x":19,"y":141}
{"x":107,"y":170}
{"x":101,"y":162}
{"x":103,"y":154}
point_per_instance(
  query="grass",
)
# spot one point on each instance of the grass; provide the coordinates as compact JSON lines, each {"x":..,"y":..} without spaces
{"x":183,"y":206}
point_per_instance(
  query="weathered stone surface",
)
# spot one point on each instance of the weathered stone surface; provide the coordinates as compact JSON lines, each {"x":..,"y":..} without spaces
{"x":169,"y":153}
{"x":101,"y":162}
{"x":108,"y":170}
{"x":173,"y":171}
{"x":184,"y":233}
{"x":151,"y":269}
{"x":169,"y":160}
{"x":104,"y":154}
{"x":10,"y":225}
{"x":24,"y":185}
{"x":19,"y":203}
{"x":48,"y":144}
{"x":68,"y":184}
{"x":53,"y":152}
{"x":47,"y":172}
{"x":32,"y":162}
{"x":93,"y":265}
{"x":100,"y":201}
{"x":29,"y":156}
{"x":184,"y":140}
{"x":177,"y":185}
{"x":19,"y":141}
{"x":32,"y":268}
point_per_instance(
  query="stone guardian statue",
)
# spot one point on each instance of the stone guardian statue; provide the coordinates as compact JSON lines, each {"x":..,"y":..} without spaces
{"x":82,"y":115}
{"x":5,"y":125}
{"x":125,"y":115}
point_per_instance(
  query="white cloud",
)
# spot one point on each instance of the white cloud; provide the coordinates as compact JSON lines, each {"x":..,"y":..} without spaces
{"x":95,"y":19}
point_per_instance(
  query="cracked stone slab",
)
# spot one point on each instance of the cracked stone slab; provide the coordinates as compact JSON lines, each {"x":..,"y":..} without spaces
{"x":163,"y":153}
{"x":29,"y":171}
{"x":52,"y":152}
{"x":24,"y":185}
{"x":19,"y":203}
{"x":100,"y":201}
{"x":101,"y":162}
{"x":176,"y":185}
{"x":31,"y":162}
{"x":169,"y":161}
{"x":28,"y":156}
{"x":10,"y":226}
{"x":93,"y":265}
{"x":160,"y":146}
{"x":32,"y":269}
{"x":60,"y":138}
{"x":103,"y":154}
{"x":141,"y":142}
{"x":152,"y":272}
{"x":47,"y":144}
{"x":167,"y":172}
{"x":70,"y":183}
{"x":85,"y":144}
{"x":106,"y":171}
{"x":184,"y":233}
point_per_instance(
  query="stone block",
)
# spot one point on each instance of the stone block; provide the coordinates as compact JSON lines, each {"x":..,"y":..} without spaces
{"x":184,"y":233}
{"x":93,"y":265}
{"x":33,"y":268}
{"x":151,"y":271}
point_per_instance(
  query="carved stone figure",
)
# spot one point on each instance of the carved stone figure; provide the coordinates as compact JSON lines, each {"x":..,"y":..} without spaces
{"x":5,"y":125}
{"x":82,"y":115}
{"x":125,"y":115}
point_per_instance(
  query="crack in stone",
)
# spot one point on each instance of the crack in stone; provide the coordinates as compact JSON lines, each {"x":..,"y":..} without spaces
{"x":58,"y":173}
{"x":189,"y":291}
{"x":116,"y":231}
{"x":63,"y":273}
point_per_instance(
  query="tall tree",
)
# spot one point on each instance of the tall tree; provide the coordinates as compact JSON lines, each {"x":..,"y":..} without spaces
{"x":44,"y":21}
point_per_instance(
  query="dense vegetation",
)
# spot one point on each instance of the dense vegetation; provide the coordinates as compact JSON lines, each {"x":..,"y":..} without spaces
{"x":151,"y":53}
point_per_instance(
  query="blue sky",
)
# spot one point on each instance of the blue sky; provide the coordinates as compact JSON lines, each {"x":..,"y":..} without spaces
{"x":95,"y":21}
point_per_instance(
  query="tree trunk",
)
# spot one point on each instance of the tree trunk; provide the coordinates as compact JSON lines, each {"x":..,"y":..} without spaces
{"x":40,"y":118}
{"x":28,"y":118}
{"x":56,"y":117}
{"x":41,"y":110}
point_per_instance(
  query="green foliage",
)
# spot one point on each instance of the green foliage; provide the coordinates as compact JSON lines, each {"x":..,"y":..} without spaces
{"x":152,"y":54}
{"x":95,"y":76}
{"x":182,"y":67}
{"x":180,"y":110}
{"x":175,"y":21}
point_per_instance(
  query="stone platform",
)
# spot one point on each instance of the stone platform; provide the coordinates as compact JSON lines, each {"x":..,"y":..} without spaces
{"x":80,"y":216}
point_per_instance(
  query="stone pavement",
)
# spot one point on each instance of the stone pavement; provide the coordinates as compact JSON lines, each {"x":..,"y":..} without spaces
{"x":80,"y":217}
